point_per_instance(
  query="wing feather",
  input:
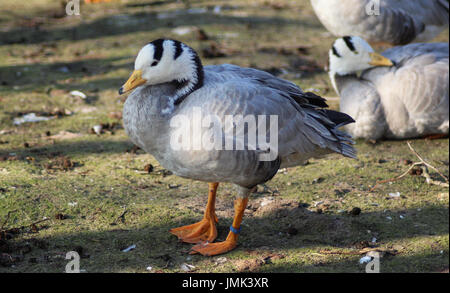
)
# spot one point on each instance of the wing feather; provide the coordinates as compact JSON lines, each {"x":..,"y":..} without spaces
{"x":303,"y":130}
{"x":414,"y":93}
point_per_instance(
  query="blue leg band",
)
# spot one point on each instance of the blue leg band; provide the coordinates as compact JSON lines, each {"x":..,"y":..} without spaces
{"x":235,"y":231}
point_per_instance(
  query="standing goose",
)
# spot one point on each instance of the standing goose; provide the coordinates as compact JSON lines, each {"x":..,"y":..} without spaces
{"x":399,"y":22}
{"x":169,"y":84}
{"x":402,"y":94}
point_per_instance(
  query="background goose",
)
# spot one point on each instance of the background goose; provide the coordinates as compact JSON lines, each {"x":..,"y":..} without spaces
{"x":402,"y":94}
{"x":169,"y":81}
{"x":400,"y":21}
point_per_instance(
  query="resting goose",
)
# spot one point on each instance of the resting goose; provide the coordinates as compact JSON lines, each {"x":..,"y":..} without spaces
{"x":399,"y":21}
{"x":172,"y":92}
{"x":401,"y":94}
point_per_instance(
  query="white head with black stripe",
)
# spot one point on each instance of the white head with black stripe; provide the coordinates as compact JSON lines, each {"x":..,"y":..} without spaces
{"x":165,"y":61}
{"x":348,"y":55}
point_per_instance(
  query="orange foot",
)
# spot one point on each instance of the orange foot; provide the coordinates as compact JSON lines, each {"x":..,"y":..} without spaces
{"x":210,"y":249}
{"x":205,"y":230}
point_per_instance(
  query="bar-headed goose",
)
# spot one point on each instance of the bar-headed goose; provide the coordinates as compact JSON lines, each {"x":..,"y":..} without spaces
{"x":177,"y":108}
{"x":401,"y":94}
{"x":395,"y":22}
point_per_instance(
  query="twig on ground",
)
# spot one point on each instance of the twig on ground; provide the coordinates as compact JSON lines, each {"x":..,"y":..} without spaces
{"x":427,"y":164}
{"x":6,"y":219}
{"x":21,"y":227}
{"x":425,"y":173}
{"x":396,"y":178}
{"x":122,"y":216}
{"x":339,"y":252}
{"x":358,"y":252}
{"x":37,"y":222}
{"x":431,"y":181}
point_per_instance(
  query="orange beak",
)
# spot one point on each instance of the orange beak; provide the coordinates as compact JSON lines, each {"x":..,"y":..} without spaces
{"x":133,"y":82}
{"x":379,"y":60}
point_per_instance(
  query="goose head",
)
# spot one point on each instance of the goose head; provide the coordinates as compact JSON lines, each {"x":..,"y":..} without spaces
{"x":166,"y":61}
{"x":348,"y":55}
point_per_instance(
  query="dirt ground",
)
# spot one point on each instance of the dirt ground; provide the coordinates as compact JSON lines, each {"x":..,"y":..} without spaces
{"x":65,"y":188}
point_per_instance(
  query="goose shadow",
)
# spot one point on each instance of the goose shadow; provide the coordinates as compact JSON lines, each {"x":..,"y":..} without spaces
{"x":70,"y":148}
{"x":263,"y":232}
{"x":49,"y":75}
{"x":122,"y":24}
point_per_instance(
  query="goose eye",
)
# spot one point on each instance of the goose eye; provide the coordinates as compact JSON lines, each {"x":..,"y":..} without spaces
{"x":154,"y":63}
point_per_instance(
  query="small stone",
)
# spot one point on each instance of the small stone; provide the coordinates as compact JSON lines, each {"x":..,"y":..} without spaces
{"x":407,"y":162}
{"x":302,"y":205}
{"x":362,"y":244}
{"x":32,"y":260}
{"x":173,"y":186}
{"x":187,"y":267}
{"x":60,"y":216}
{"x":317,"y":180}
{"x":292,"y":231}
{"x":394,"y":194}
{"x":443,"y":196}
{"x":397,"y":247}
{"x":416,"y":171}
{"x":355,"y":211}
{"x":148,"y":168}
{"x":365,"y":259}
{"x":34,"y":228}
{"x":266,"y":201}
{"x":78,"y":249}
{"x":267,"y":260}
{"x":201,"y":35}
{"x":129,"y":248}
{"x":67,"y":163}
{"x":221,"y":260}
{"x":97,"y":129}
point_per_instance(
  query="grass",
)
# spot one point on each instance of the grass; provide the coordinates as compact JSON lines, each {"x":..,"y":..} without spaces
{"x":109,"y":202}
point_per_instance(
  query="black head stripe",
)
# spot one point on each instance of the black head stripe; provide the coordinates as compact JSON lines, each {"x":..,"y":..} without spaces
{"x":349,"y":43}
{"x":178,"y":50}
{"x":335,"y":52}
{"x":200,"y":77}
{"x":158,"y":49}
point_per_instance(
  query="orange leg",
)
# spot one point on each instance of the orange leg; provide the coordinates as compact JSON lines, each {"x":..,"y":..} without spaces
{"x":209,"y":249}
{"x":205,"y":230}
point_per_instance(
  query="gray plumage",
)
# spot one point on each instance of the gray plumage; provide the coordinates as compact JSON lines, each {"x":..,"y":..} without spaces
{"x":305,"y":130}
{"x":399,"y":21}
{"x":410,"y":99}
